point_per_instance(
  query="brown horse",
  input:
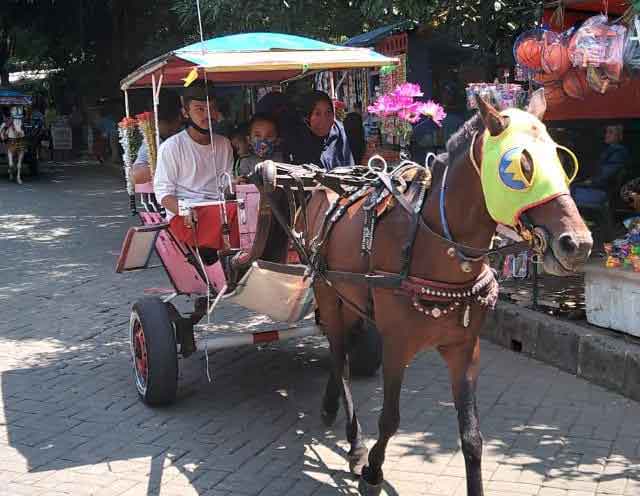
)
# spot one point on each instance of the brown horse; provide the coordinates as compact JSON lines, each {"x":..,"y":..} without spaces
{"x":404,"y":324}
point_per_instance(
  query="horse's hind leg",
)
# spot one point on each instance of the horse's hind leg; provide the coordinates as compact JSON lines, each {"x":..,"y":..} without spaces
{"x":463,"y":362}
{"x":340,"y":385}
{"x":394,"y":362}
{"x":19,"y":167}
{"x":10,"y":159}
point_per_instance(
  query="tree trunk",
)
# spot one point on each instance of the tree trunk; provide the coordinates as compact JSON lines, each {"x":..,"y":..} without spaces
{"x":7,"y":45}
{"x":4,"y":77}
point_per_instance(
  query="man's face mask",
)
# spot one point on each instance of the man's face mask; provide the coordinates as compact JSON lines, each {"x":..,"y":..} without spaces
{"x":262,"y":147}
{"x":522,"y":169}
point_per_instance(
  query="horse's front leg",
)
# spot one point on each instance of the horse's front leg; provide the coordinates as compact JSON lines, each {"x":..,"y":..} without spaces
{"x":394,"y":360}
{"x":463,"y":362}
{"x":19,"y":167}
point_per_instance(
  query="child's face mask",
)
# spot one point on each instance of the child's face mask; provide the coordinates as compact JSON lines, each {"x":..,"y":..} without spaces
{"x":263,"y":147}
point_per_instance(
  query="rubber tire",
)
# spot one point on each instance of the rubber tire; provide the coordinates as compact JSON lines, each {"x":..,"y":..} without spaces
{"x":162,"y":352}
{"x":365,"y":356}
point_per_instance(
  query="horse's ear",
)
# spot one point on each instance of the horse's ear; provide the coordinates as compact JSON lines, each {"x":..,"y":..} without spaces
{"x":537,"y":104}
{"x":493,"y":121}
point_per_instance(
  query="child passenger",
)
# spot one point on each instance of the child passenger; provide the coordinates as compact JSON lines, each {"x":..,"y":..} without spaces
{"x":263,"y":141}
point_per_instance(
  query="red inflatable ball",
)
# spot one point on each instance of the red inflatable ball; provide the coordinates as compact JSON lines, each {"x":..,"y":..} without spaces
{"x":529,"y":54}
{"x":555,"y":60}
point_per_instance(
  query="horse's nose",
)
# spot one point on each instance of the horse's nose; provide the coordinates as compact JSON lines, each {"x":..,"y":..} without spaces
{"x":568,"y":244}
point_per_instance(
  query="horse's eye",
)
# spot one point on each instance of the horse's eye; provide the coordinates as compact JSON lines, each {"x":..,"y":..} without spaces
{"x":567,"y":162}
{"x":526,"y":162}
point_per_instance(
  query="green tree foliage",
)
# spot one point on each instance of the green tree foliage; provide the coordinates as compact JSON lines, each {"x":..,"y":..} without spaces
{"x":97,"y":42}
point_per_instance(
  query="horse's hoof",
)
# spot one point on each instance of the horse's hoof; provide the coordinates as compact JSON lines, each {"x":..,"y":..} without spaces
{"x":19,"y":181}
{"x":367,"y":489}
{"x":328,"y":418}
{"x":356,"y":466}
{"x":357,"y":461}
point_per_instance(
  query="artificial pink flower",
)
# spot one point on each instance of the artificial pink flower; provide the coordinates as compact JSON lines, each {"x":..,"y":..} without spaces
{"x":386,"y":106}
{"x":433,"y":110}
{"x":408,"y":90}
{"x":400,"y":103}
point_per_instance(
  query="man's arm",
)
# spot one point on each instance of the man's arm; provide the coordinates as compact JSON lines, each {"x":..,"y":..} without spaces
{"x":141,"y":170}
{"x":166,"y":178}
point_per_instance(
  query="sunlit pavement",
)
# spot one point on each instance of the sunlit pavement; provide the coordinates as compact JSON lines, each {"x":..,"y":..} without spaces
{"x":71,"y":422}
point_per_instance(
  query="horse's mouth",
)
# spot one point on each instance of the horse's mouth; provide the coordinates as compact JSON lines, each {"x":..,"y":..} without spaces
{"x":557,"y":265}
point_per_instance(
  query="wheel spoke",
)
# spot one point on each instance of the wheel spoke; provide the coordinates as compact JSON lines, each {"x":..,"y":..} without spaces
{"x":140,"y":354}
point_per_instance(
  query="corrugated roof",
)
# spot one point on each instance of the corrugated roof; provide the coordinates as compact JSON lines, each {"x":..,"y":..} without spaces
{"x":372,"y":37}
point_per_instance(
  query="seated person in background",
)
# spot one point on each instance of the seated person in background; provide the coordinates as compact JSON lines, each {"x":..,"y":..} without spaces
{"x":169,"y":123}
{"x":321,"y":139}
{"x":189,"y":167}
{"x":630,"y":193}
{"x":593,"y":192}
{"x":263,"y":140}
{"x":240,"y":145}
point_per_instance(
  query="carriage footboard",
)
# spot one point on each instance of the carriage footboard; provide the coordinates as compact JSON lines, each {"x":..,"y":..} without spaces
{"x":137,"y":247}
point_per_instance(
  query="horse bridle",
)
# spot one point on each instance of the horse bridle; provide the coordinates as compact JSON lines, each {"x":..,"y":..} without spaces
{"x":534,"y":237}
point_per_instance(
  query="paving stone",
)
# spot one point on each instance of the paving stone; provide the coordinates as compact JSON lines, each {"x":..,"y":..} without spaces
{"x":71,"y":422}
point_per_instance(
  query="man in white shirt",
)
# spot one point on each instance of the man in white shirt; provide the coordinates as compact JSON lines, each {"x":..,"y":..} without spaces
{"x":189,"y":167}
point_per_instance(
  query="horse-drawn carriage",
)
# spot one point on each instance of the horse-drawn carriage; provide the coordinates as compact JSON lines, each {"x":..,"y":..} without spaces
{"x":28,"y":132}
{"x":243,"y":274}
{"x":403,"y":247}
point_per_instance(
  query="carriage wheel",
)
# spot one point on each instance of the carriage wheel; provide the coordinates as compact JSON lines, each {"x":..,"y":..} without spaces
{"x":365,"y":355}
{"x":154,"y":352}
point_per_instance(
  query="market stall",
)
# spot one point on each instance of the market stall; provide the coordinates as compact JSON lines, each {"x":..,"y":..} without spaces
{"x":587,"y":57}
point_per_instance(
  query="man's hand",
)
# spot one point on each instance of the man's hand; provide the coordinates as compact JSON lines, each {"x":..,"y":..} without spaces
{"x":189,"y":220}
{"x":170,"y":202}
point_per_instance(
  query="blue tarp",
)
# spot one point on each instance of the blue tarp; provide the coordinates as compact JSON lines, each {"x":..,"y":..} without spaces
{"x":13,"y":97}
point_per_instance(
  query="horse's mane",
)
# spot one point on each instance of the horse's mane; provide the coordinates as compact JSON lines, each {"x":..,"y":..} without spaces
{"x":460,"y":141}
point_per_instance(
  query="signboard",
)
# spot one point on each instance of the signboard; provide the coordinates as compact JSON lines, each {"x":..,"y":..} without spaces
{"x":61,"y":136}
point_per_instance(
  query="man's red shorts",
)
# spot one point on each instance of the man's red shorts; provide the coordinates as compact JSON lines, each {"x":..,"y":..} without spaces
{"x":208,"y":228}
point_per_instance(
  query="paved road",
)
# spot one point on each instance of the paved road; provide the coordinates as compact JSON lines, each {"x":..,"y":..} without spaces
{"x":71,"y":423}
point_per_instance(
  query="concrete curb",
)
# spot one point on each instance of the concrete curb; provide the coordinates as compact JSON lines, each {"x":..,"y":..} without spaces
{"x":604,"y":357}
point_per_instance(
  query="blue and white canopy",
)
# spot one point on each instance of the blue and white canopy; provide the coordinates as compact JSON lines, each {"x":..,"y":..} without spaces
{"x":254,"y":58}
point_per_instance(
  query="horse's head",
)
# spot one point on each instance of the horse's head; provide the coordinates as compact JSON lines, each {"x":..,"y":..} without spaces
{"x":526,"y":186}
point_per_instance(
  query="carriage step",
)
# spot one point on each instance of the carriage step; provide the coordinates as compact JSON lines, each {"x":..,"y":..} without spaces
{"x":220,"y":339}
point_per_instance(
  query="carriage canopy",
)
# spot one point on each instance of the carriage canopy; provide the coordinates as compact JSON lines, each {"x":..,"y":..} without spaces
{"x":252,"y":59}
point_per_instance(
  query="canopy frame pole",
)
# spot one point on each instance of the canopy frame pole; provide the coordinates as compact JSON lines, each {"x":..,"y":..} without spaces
{"x":332,"y":85}
{"x":126,"y":103}
{"x":156,"y":102}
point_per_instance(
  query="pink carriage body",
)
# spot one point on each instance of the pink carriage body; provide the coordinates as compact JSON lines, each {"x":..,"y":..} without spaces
{"x":173,"y":254}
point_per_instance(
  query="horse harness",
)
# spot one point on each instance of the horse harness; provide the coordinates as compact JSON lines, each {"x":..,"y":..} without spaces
{"x":407,"y":185}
